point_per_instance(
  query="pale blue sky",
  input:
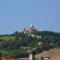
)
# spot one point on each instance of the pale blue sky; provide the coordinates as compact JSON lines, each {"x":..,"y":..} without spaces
{"x":17,"y":14}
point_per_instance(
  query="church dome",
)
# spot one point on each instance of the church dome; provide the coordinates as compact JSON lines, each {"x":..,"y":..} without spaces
{"x":31,"y":26}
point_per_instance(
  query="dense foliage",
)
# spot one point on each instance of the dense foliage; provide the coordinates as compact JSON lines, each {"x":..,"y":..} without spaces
{"x":23,"y":43}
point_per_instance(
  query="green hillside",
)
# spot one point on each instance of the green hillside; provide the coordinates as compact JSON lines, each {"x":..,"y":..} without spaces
{"x":20,"y":43}
{"x":7,"y":38}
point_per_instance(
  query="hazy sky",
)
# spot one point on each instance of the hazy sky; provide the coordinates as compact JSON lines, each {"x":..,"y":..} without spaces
{"x":17,"y":14}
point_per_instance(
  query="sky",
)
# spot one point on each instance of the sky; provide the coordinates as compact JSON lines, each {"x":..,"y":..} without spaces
{"x":17,"y":14}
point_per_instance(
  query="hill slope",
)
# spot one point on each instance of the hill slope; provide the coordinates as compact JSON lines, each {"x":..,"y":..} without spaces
{"x":54,"y":54}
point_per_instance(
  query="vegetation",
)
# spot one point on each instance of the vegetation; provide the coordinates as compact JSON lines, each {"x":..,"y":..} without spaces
{"x":18,"y":43}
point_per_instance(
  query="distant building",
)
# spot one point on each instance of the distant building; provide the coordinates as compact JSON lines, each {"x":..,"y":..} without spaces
{"x":30,"y":29}
{"x":36,"y":36}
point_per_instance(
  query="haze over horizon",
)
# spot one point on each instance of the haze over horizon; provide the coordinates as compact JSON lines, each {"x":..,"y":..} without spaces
{"x":15,"y":15}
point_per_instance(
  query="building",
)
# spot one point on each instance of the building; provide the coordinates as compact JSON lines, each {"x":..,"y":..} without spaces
{"x":30,"y":29}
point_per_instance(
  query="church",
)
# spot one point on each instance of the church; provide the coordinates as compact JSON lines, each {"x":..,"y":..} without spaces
{"x":30,"y":29}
